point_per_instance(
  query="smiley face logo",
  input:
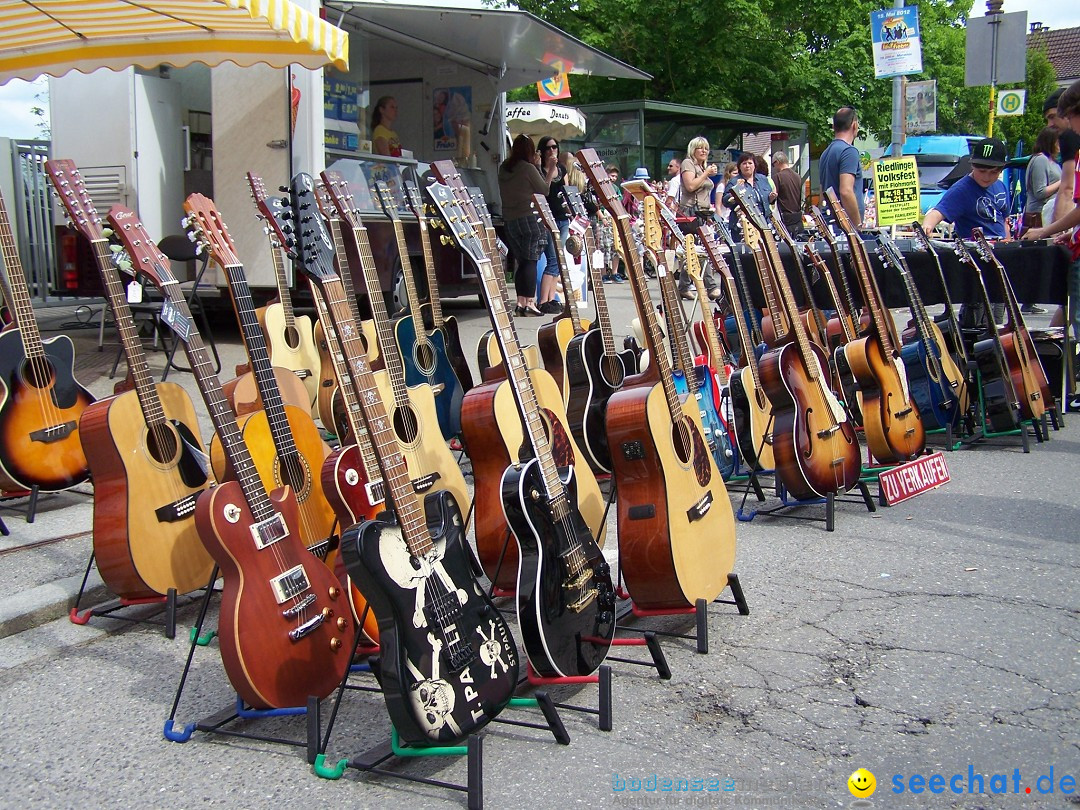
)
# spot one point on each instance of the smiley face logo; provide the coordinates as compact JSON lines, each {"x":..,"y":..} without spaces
{"x":862,"y":784}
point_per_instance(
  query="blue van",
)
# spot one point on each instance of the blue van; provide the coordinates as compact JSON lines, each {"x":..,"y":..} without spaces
{"x":942,"y":160}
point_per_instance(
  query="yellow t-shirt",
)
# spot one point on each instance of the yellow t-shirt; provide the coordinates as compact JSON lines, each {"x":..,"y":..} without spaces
{"x":391,"y":137}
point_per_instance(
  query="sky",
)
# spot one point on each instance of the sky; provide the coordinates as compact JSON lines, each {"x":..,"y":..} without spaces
{"x":17,"y":97}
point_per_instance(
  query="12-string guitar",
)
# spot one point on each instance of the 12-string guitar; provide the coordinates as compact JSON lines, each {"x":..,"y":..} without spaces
{"x":566,"y":602}
{"x":814,"y":444}
{"x":284,"y":630}
{"x":676,"y":525}
{"x":448,"y":663}
{"x":423,"y":352}
{"x":41,"y":402}
{"x":144,"y":447}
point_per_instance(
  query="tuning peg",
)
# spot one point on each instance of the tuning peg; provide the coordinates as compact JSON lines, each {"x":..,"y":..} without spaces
{"x":115,"y":248}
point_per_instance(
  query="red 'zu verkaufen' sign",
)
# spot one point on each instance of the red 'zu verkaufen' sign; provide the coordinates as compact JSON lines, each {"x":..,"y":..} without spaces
{"x":913,"y":478}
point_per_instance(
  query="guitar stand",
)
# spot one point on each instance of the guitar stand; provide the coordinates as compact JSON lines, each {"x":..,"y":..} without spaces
{"x":602,"y":678}
{"x":984,"y":432}
{"x":215,"y":724}
{"x":31,"y":506}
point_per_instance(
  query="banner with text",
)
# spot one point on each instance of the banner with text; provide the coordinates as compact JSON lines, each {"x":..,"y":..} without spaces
{"x":896,"y":43}
{"x":920,"y":107}
{"x":896,"y":189}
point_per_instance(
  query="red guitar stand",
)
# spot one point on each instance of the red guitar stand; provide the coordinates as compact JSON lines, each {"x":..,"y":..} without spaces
{"x":602,"y":678}
{"x":108,"y":609}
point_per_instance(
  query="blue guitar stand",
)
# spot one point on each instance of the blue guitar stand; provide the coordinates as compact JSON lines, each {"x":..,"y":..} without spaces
{"x":216,"y":723}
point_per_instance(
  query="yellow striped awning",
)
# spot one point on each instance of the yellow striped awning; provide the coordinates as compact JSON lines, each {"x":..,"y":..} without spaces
{"x":55,"y":36}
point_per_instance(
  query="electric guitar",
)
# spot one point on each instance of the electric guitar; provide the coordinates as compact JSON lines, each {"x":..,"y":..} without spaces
{"x":947,"y":321}
{"x":423,"y":353}
{"x":676,"y":525}
{"x":432,"y":309}
{"x":751,"y":408}
{"x":144,"y":447}
{"x":937,"y":385}
{"x":283,"y":440}
{"x":566,"y":601}
{"x":411,"y":408}
{"x":814,"y":444}
{"x":290,"y":338}
{"x":41,"y":402}
{"x":752,"y":315}
{"x":892,"y":423}
{"x":448,"y":663}
{"x":1029,"y":377}
{"x":1000,"y":398}
{"x":284,"y":629}
{"x":595,"y":369}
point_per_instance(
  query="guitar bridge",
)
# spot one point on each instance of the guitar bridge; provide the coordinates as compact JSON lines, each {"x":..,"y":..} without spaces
{"x":301,"y":373}
{"x":579,"y":593}
{"x":307,"y":627}
{"x":902,"y":413}
{"x":177,"y":510}
{"x":827,"y":432}
{"x":295,"y":610}
{"x":53,"y":433}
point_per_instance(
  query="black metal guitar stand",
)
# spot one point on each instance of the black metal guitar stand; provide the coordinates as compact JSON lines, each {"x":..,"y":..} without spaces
{"x":33,"y":493}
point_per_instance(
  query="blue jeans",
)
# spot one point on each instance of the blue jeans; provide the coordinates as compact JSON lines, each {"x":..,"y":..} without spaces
{"x":548,"y":264}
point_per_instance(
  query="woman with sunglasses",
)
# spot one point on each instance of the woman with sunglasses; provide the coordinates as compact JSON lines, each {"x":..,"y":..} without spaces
{"x":552,"y":168}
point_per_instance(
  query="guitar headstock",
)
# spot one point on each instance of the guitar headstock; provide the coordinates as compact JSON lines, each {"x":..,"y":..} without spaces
{"x":691,"y":262}
{"x":890,"y":253}
{"x":337,"y":189}
{"x":457,"y":221}
{"x":707,"y":235}
{"x":146,"y":260}
{"x":575,"y":202}
{"x":274,"y":212}
{"x":749,"y":211}
{"x":654,"y":236}
{"x":964,"y":255}
{"x":74,"y":197}
{"x":823,"y":229}
{"x":921,"y":236}
{"x":314,"y":247}
{"x":543,"y":210}
{"x":386,"y":200}
{"x":415,"y":202}
{"x":751,"y":236}
{"x":982,"y":247}
{"x":842,"y":218}
{"x":593,"y":167}
{"x":207,"y":228}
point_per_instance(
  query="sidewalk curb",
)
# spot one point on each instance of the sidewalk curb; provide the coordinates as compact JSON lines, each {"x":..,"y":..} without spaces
{"x":36,"y":606}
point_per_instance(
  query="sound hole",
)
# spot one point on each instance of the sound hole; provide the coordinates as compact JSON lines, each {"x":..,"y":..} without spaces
{"x":162,"y":443}
{"x":682,"y":440}
{"x":613,"y":371}
{"x":292,"y":337}
{"x":38,"y":372}
{"x":424,"y":357}
{"x":293,"y":470}
{"x":406,"y":425}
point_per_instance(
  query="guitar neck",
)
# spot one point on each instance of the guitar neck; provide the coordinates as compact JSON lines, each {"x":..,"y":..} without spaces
{"x":740,"y":279}
{"x":603,"y":316}
{"x":800,"y":268}
{"x":22,"y":309}
{"x":709,"y":324}
{"x":410,"y":283}
{"x":541,"y":203}
{"x":842,"y":313}
{"x":770,"y":285}
{"x":284,"y":295}
{"x":429,"y":269}
{"x":838,"y":265}
{"x":712,"y":250}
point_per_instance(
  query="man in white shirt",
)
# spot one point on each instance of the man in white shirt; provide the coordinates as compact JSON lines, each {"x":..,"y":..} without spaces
{"x":674,"y":174}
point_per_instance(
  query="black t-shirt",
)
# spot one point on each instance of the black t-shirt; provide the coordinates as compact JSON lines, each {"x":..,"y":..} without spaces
{"x":555,"y":196}
{"x":1069,"y":142}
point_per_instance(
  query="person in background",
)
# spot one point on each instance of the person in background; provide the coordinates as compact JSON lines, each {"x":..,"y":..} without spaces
{"x":519,"y":180}
{"x":789,"y":191}
{"x":1068,"y":224}
{"x":553,"y":170}
{"x":606,"y":237}
{"x":674,"y":181}
{"x":731,"y":171}
{"x":977,"y":200}
{"x":1041,"y":180}
{"x":697,"y":188}
{"x":840,"y":166}
{"x":384,"y":141}
{"x":761,"y":166}
{"x":758,"y":186}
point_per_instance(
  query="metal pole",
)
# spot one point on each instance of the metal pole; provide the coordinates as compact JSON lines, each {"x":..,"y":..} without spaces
{"x":897,"y":106}
{"x":993,"y":11}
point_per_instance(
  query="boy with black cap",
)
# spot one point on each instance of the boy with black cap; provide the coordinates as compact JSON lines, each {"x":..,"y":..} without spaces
{"x":979,"y":199}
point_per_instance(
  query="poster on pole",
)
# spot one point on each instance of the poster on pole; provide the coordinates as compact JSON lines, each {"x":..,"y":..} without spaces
{"x":920,"y":107}
{"x":896,"y":189}
{"x":896,"y":43}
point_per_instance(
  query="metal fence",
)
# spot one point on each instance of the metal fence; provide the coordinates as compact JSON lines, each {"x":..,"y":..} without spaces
{"x":32,"y":217}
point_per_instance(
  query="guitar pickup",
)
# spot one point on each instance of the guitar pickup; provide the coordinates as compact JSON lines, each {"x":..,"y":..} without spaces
{"x":290,"y":584}
{"x":177,"y":510}
{"x":269,"y":531}
{"x":376,"y":492}
{"x":904,"y":412}
{"x":53,"y":433}
{"x":827,"y":432}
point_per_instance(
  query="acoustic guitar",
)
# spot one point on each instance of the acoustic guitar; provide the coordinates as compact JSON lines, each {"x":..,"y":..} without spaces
{"x":289,"y":337}
{"x":565,"y":598}
{"x":423,"y":353}
{"x":947,"y":321}
{"x":283,"y":440}
{"x":938,"y":386}
{"x":284,"y":629}
{"x":1029,"y":376}
{"x":144,"y":447}
{"x":892,"y":423}
{"x":41,"y":402}
{"x":448,"y":662}
{"x":814,"y":444}
{"x":676,"y":525}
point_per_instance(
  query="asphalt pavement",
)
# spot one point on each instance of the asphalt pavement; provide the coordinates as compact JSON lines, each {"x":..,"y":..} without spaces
{"x":929,"y":642}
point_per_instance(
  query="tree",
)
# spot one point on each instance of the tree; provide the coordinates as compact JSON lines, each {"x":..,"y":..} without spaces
{"x":1023,"y":129}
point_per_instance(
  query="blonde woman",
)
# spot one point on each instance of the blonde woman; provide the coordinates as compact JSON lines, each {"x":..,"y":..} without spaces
{"x":696,"y":202}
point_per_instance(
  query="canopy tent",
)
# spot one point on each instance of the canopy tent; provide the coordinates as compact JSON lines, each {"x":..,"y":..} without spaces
{"x":56,"y":36}
{"x":513,"y":47}
{"x":544,"y":120}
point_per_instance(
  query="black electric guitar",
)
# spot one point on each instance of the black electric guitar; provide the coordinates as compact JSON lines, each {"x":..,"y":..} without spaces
{"x":566,"y":602}
{"x":285,"y":632}
{"x":1001,"y":401}
{"x":448,"y":663}
{"x":947,"y":322}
